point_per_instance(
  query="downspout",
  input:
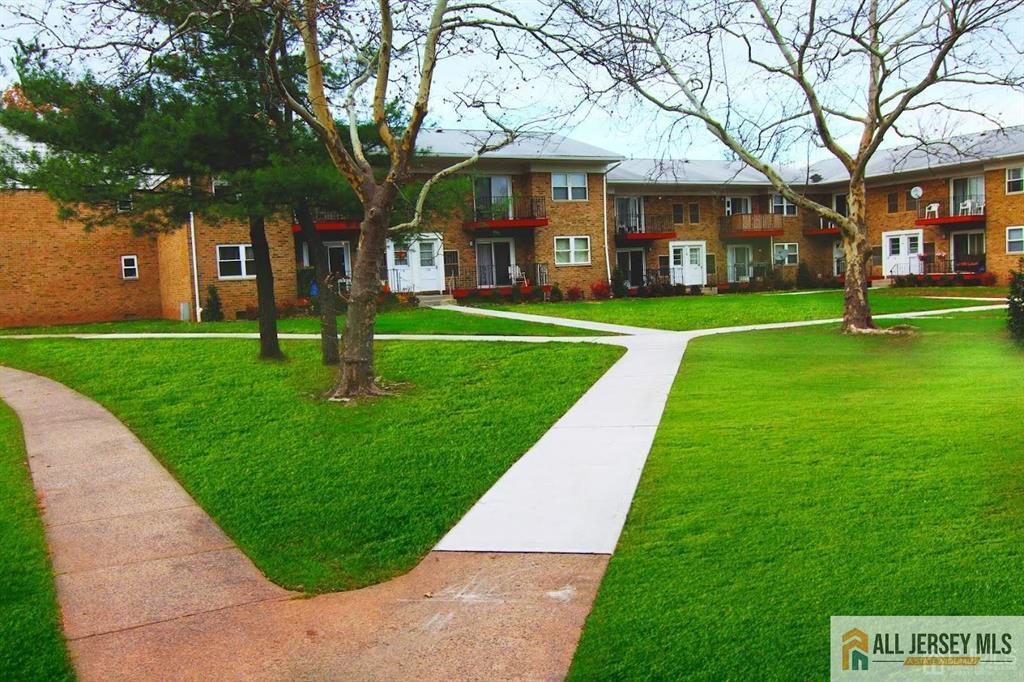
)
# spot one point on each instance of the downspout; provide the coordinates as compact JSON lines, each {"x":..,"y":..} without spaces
{"x":604,"y":208}
{"x":193,"y":263}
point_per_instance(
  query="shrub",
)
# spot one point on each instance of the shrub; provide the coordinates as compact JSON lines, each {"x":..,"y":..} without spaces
{"x":601,"y":290}
{"x":556,"y":295}
{"x":804,"y":279}
{"x":1015,"y":314}
{"x":619,"y":288}
{"x":986,"y":279}
{"x":534,"y":294}
{"x":213,"y":311}
{"x":516,"y":296}
{"x":574,"y":293}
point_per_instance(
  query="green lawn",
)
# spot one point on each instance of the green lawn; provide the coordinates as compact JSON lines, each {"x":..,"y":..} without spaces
{"x":411,"y":321}
{"x":989,"y":292}
{"x":325,"y":496}
{"x":704,"y":312}
{"x":31,"y":643}
{"x":801,"y":474}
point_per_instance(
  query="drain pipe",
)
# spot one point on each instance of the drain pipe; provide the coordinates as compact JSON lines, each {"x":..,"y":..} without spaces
{"x":194,"y":264}
{"x":604,"y":207}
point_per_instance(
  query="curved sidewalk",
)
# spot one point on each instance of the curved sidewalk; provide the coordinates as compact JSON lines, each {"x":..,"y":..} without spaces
{"x":150,"y":588}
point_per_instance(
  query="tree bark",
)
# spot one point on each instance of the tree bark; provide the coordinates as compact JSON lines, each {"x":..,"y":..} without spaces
{"x":856,"y":309}
{"x":270,"y":347}
{"x":357,"y":377}
{"x":325,"y":281}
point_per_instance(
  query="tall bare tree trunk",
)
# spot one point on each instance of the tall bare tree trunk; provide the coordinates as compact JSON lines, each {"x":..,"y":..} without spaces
{"x":325,"y":282}
{"x":357,"y":373}
{"x":270,"y":347}
{"x":856,"y":309}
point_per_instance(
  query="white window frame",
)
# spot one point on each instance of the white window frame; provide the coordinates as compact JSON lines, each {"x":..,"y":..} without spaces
{"x":125,"y":266}
{"x":125,"y":205}
{"x":569,"y":186}
{"x":572,"y":250}
{"x":1021,"y":239}
{"x":786,"y":205}
{"x":241,"y":252}
{"x":791,"y":249}
{"x":730,"y":210}
{"x":1019,"y":178}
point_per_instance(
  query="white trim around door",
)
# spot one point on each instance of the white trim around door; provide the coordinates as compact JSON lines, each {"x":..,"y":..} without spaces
{"x":732,"y":273}
{"x":688,"y":263}
{"x":901,"y":251}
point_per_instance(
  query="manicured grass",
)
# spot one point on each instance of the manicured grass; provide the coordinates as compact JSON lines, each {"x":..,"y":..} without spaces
{"x":801,"y":474}
{"x":31,"y":643}
{"x":726,"y":310}
{"x":325,"y":496}
{"x":412,"y":321}
{"x":979,"y":292}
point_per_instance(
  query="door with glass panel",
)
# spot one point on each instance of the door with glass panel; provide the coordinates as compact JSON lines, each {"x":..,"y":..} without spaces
{"x":901,"y":252}
{"x":629,"y":214}
{"x":967,"y":196}
{"x":967,"y":251}
{"x":739,"y":259}
{"x":632,"y":265}
{"x":492,"y":197}
{"x":494,"y":261}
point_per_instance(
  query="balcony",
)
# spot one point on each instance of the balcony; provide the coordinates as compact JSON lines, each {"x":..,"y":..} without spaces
{"x":745,"y":225}
{"x":962,"y":209}
{"x":506,"y":212}
{"x":631,"y":228}
{"x":499,"y":277}
{"x":823,"y":227}
{"x":329,"y":220}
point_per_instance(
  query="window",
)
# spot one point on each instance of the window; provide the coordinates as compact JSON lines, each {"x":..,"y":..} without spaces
{"x":787,"y":253}
{"x":840,"y":204}
{"x":909,"y":201}
{"x":677,"y":213}
{"x":782,"y":205}
{"x":710,"y":264}
{"x":427,"y":255}
{"x":235,"y":261}
{"x":401,"y":255}
{"x":694,"y":213}
{"x":569,"y":186}
{"x":1015,"y":180}
{"x":124,"y":205}
{"x":663,"y":262}
{"x":894,"y":246}
{"x":913,"y":244}
{"x":572,"y":250}
{"x":1015,"y":240}
{"x":451,"y":263}
{"x":129,"y":267}
{"x":736,"y":205}
{"x":893,"y":202}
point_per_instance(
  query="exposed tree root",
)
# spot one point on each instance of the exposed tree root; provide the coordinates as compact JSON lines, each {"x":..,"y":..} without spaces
{"x":896,"y":330}
{"x":376,"y":389}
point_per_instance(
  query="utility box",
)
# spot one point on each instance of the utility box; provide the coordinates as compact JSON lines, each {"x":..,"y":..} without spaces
{"x":185,"y":312}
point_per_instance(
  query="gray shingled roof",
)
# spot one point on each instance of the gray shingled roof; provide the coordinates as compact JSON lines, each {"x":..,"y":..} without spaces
{"x":529,"y":146}
{"x":686,"y":171}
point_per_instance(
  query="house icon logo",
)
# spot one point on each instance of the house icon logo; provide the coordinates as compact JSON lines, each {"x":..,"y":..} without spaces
{"x":855,"y":650}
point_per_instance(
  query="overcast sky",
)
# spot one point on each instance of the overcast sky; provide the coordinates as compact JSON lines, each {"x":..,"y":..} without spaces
{"x":628,"y":128}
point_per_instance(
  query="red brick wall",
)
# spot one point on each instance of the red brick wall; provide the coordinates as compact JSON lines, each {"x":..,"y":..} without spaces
{"x":53,"y":271}
{"x":1002,"y":210}
{"x":175,"y":273}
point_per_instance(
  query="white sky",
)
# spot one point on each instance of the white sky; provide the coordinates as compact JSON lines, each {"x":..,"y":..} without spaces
{"x":631,"y":129}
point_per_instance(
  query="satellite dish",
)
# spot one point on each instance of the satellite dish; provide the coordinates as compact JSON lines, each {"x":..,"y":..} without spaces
{"x":916,"y":192}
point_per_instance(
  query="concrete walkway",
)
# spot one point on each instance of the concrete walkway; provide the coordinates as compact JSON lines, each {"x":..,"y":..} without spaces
{"x":150,"y":588}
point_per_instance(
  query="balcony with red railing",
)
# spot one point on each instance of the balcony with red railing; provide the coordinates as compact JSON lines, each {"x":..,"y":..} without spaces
{"x":754,"y":225}
{"x":329,"y":220}
{"x":958,"y":211}
{"x":822,"y":227}
{"x":506,"y":212}
{"x":631,"y":228}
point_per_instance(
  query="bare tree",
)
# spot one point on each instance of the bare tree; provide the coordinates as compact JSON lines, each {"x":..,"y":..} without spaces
{"x":369,"y":54}
{"x":765,"y":75}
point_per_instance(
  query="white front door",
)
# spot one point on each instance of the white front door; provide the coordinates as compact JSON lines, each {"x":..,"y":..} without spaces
{"x":739,"y":260}
{"x":901,"y":253}
{"x":688,"y":263}
{"x":416,"y":265}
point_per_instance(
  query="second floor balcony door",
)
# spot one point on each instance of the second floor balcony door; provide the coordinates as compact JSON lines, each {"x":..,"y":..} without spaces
{"x":492,"y":197}
{"x":967,"y":195}
{"x":629,"y":214}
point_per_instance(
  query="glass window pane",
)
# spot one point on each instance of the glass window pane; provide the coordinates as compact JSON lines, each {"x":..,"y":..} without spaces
{"x":227,"y":253}
{"x":561,"y":257}
{"x":427,"y":254}
{"x":579,"y":192}
{"x":231,"y":268}
{"x":561,"y":193}
{"x":894,"y":246}
{"x":578,"y":179}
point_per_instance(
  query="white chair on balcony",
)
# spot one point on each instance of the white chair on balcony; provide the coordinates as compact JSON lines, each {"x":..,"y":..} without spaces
{"x":967,"y":207}
{"x":515,"y":273}
{"x":931,"y":211}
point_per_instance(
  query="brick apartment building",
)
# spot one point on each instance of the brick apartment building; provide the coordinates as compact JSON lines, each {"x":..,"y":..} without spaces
{"x":547,"y":211}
